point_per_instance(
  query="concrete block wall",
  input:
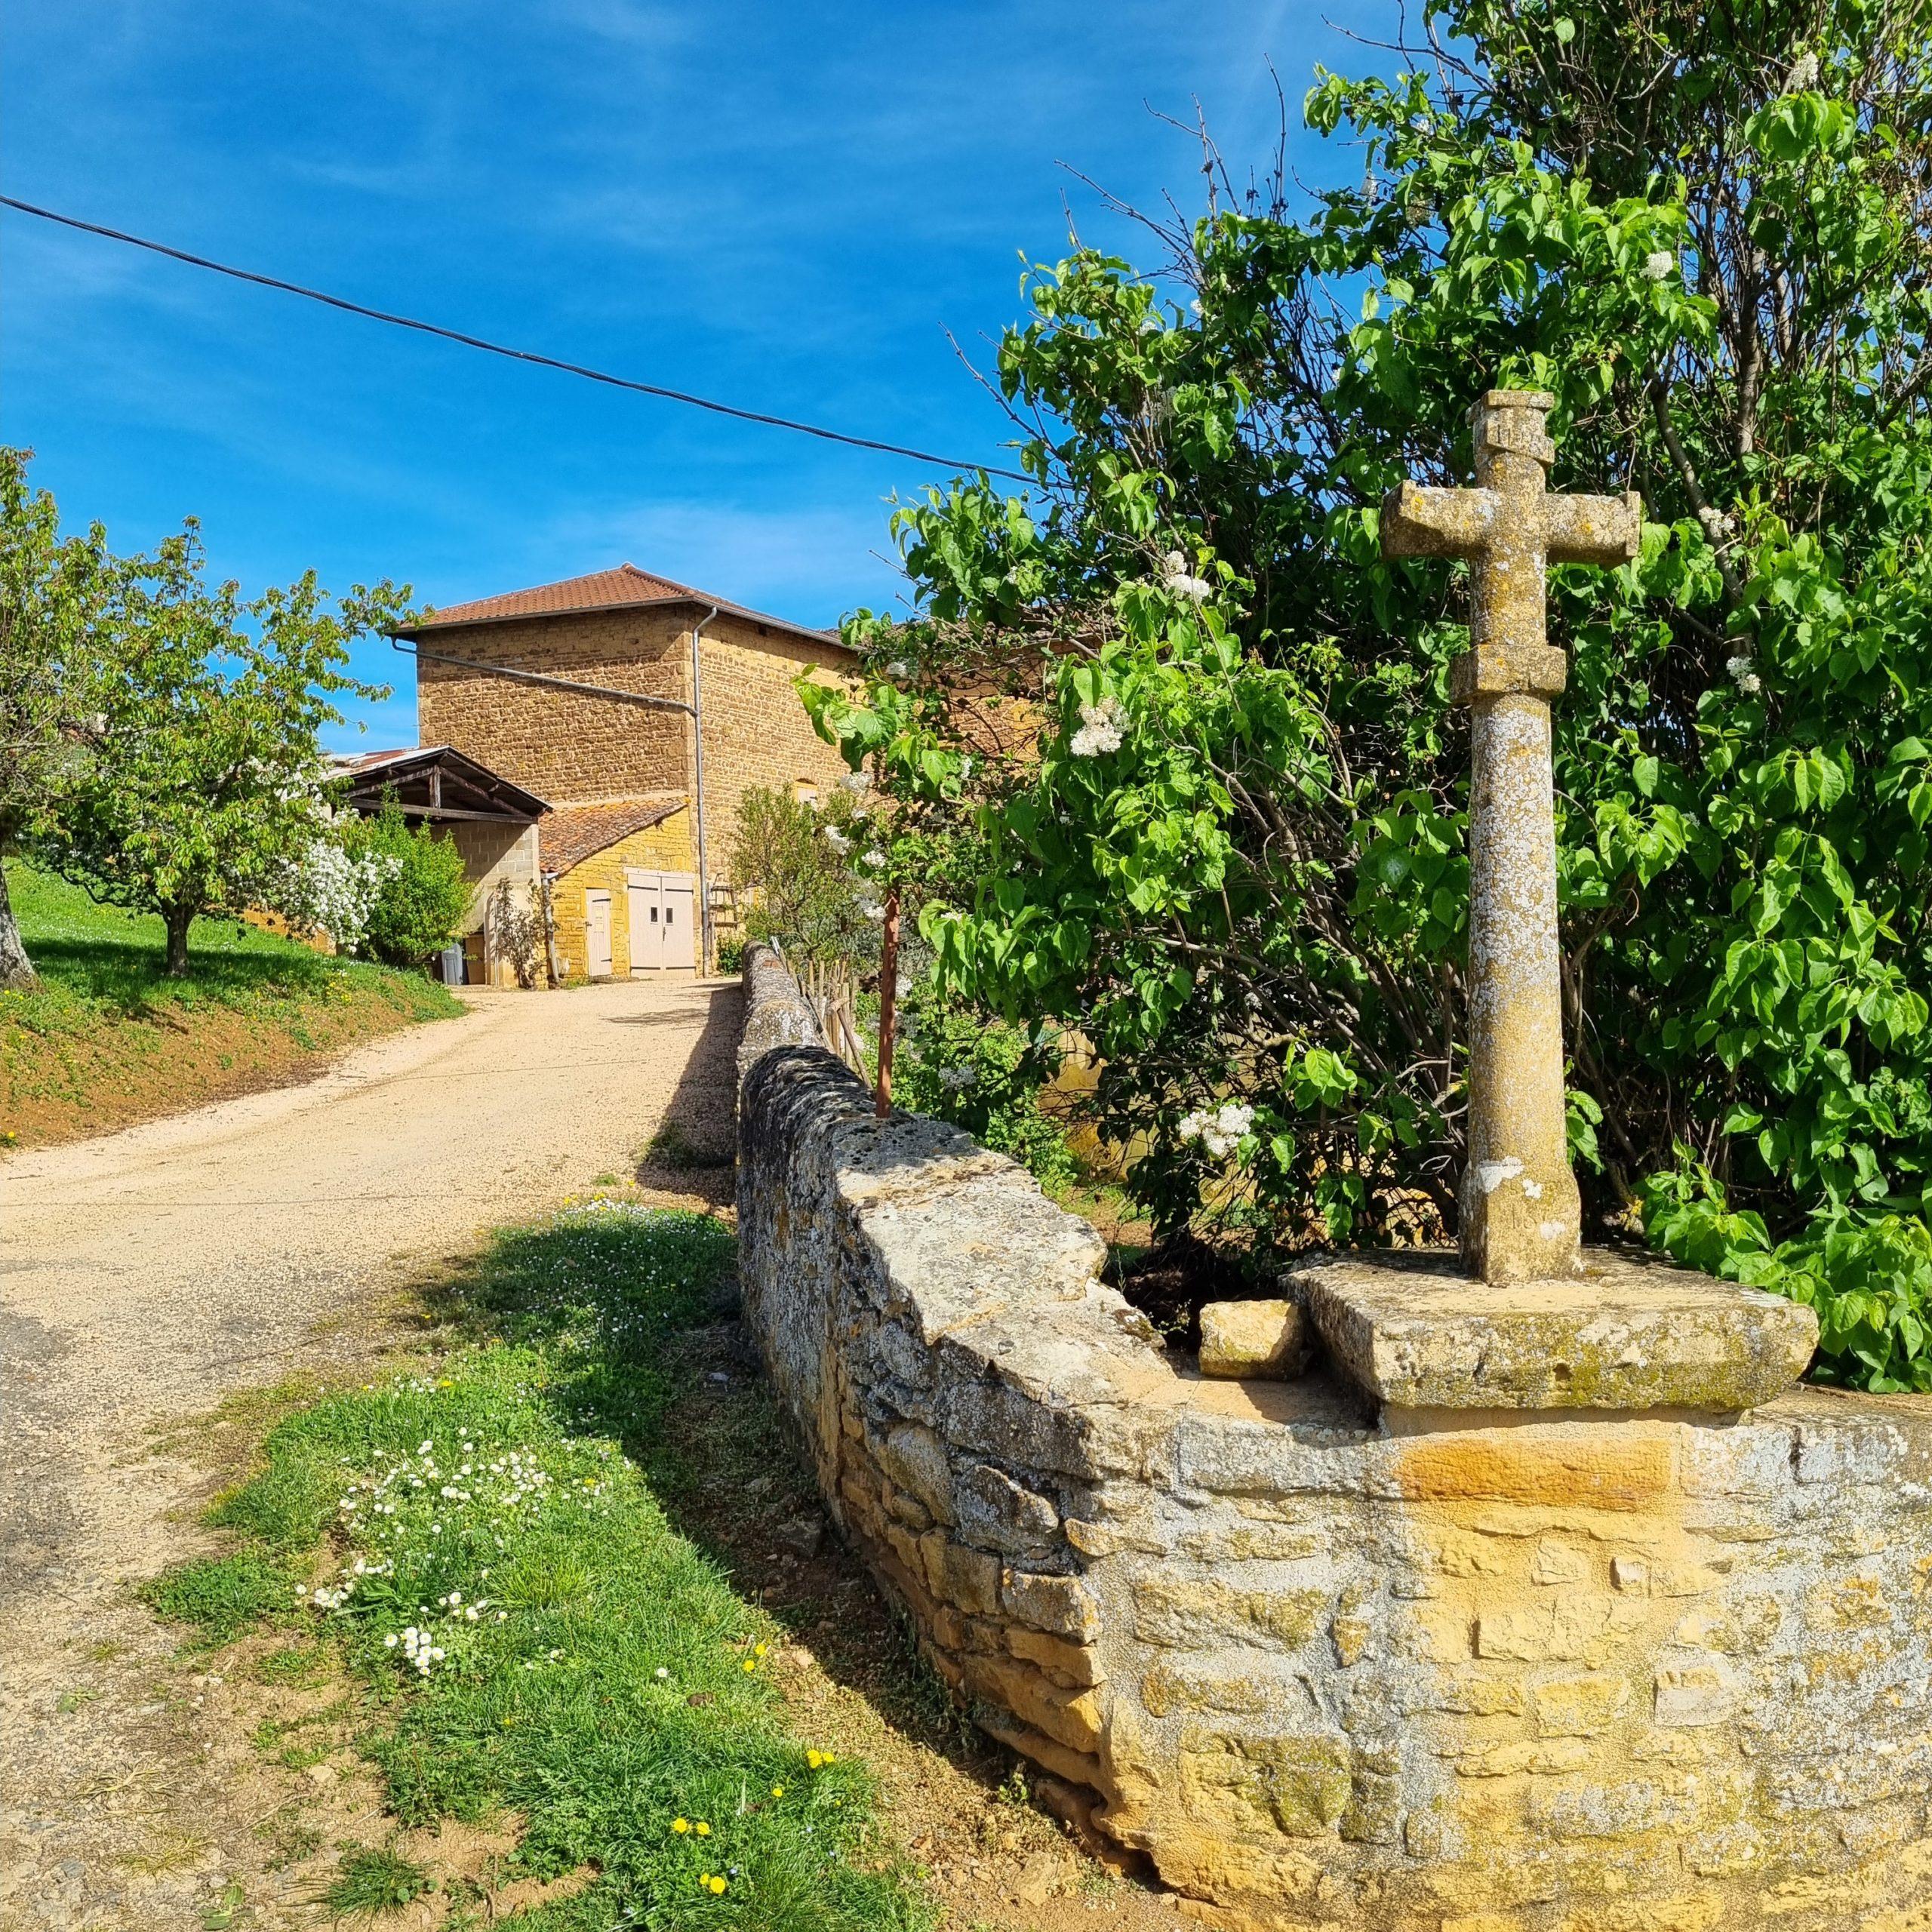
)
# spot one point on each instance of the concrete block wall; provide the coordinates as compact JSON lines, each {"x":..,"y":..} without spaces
{"x":1588,"y":1674}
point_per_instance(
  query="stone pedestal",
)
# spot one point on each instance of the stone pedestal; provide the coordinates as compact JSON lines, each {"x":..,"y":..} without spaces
{"x":1630,"y":1333}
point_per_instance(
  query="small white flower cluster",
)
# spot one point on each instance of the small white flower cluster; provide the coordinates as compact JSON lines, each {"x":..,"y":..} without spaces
{"x":1218,"y":1129}
{"x":1100,"y":729}
{"x":839,"y":841}
{"x":1742,"y":675}
{"x":1716,"y":523}
{"x":1804,"y":74}
{"x":899,"y":668}
{"x":325,"y":890}
{"x":1175,"y":576}
{"x":857,"y":783}
{"x":417,"y":1647}
{"x":1658,"y":264}
{"x":956,"y":1079}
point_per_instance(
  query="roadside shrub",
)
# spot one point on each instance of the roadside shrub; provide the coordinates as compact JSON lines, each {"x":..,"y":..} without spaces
{"x":731,"y":954}
{"x":958,"y":1064}
{"x":422,"y":908}
{"x":793,"y":860}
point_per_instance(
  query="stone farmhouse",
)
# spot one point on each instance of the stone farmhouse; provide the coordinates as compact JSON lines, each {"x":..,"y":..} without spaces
{"x":639,"y":779}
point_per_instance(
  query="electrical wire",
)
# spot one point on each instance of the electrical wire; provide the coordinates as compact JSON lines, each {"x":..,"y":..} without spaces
{"x":499,"y":348}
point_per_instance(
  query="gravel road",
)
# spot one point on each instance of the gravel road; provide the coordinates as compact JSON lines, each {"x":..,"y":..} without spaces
{"x":145,"y":1276}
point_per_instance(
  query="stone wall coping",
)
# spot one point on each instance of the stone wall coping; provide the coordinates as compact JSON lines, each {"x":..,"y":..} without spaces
{"x":1014,"y":1280}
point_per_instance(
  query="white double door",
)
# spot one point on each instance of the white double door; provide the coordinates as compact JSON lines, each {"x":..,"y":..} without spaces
{"x":663,"y":926}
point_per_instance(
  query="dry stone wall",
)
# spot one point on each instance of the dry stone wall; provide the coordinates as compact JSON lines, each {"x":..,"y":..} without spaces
{"x":1505,"y":1674}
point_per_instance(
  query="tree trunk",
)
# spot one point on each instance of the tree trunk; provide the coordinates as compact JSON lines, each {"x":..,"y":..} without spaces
{"x":179,"y":919}
{"x":17,"y":970}
{"x":888,"y":1003}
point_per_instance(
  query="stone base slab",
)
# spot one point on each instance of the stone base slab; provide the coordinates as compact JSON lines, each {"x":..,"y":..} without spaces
{"x":1629,"y":1333}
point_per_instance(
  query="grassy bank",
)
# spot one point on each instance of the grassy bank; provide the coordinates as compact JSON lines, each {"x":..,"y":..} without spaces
{"x":485,"y":1551}
{"x":105,"y":1040}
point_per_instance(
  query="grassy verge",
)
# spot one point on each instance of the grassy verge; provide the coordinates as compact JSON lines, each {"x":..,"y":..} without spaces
{"x":105,"y":1040}
{"x":491,"y":1549}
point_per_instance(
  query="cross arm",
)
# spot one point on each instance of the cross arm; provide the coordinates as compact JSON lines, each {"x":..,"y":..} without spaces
{"x":1418,"y":521}
{"x":1592,"y":530}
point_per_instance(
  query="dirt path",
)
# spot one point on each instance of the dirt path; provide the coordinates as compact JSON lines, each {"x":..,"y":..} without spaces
{"x":148,"y":1275}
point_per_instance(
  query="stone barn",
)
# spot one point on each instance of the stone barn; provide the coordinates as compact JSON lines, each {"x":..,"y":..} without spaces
{"x":683,"y":683}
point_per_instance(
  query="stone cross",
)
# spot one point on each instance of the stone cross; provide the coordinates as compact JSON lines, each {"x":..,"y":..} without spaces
{"x":1521,"y":1214}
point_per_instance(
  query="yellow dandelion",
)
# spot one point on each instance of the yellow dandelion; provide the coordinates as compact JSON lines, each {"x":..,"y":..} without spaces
{"x":750,"y":1663}
{"x":716,"y":1884}
{"x":814,"y":1758}
{"x":759,"y":1650}
{"x":681,"y":1824}
{"x":702,"y":1829}
{"x":778,"y":1791}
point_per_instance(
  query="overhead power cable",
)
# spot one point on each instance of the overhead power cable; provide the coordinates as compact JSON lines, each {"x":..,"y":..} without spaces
{"x":499,"y":348}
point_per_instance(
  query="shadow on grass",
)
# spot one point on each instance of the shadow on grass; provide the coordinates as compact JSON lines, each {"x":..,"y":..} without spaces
{"x":667,"y":1369}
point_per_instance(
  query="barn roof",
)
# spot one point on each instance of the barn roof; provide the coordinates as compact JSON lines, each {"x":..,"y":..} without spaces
{"x":623,"y":588}
{"x":571,"y":834}
{"x":434,"y":782}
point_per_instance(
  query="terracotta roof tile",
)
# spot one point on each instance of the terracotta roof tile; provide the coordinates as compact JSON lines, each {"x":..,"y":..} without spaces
{"x":568,"y":835}
{"x":625,"y":587}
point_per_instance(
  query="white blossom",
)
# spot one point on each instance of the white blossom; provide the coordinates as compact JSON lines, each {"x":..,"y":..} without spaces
{"x":899,"y":668}
{"x":857,"y":783}
{"x":1174,"y":575}
{"x":1218,"y":1129}
{"x":1744,"y":674}
{"x":1804,"y":74}
{"x":875,"y":859}
{"x":955,"y":1078}
{"x":1100,"y":729}
{"x":1658,"y":264}
{"x":838,"y":840}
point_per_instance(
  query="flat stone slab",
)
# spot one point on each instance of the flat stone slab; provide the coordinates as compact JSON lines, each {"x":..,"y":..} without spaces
{"x":1415,"y":1332}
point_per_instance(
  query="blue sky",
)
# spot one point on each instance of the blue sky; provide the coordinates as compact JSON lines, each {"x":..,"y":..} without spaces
{"x":784,"y":206}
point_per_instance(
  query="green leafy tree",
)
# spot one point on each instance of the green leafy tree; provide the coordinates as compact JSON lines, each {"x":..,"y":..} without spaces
{"x":56,"y":596}
{"x":208,"y":790}
{"x":1234,"y":858}
{"x":423,"y":901}
{"x":799,"y":864}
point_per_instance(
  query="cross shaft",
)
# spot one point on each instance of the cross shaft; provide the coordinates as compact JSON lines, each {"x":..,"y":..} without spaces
{"x":1520,"y":1213}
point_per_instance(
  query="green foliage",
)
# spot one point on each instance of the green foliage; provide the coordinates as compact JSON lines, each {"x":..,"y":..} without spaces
{"x":958,"y":1064}
{"x":795,"y":863}
{"x":52,"y":591}
{"x":204,"y":788}
{"x":223,"y":1596}
{"x":591,"y":1669}
{"x":421,"y":907}
{"x":731,"y":953}
{"x":1236,"y":859}
{"x":373,"y":1878}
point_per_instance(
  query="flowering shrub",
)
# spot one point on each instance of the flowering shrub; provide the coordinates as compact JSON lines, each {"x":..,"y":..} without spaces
{"x":958,"y":1065}
{"x":424,"y":899}
{"x":1233,"y":851}
{"x":330,"y":887}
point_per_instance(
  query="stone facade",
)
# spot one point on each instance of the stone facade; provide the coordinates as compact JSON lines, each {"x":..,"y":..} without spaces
{"x":571,"y":748}
{"x":1540,"y":1672}
{"x":665,"y":847}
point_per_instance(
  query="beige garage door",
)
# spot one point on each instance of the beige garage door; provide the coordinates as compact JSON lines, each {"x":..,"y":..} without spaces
{"x":663,"y":935}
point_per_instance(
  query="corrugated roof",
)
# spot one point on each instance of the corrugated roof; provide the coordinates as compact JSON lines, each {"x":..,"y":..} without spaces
{"x":625,"y":587}
{"x":568,"y":835}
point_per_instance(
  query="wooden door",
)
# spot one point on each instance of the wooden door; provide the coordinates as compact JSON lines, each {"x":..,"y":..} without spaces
{"x":678,"y":932}
{"x":597,"y":934}
{"x":642,"y":901}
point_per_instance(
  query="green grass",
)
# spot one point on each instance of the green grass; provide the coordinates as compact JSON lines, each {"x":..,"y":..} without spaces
{"x":588,"y":1667}
{"x":373,"y":1879}
{"x":105,"y":959}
